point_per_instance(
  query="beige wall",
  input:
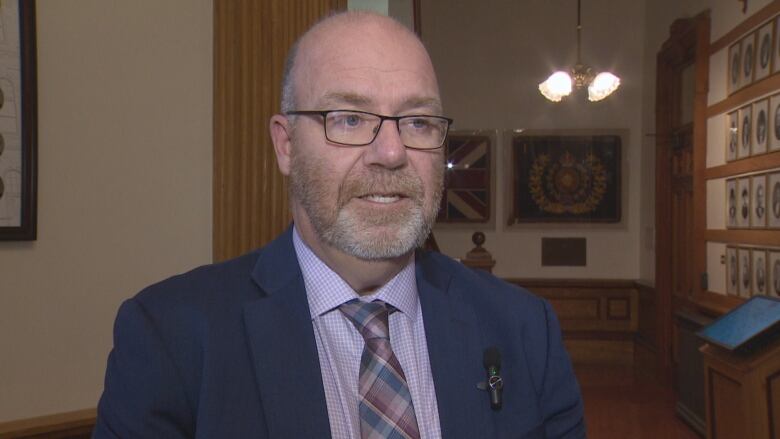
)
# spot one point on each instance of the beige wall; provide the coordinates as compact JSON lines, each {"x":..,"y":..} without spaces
{"x":490,"y":57}
{"x":125,"y":139}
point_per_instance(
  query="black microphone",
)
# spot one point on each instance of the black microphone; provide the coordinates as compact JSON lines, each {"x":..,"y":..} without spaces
{"x":491,"y":359}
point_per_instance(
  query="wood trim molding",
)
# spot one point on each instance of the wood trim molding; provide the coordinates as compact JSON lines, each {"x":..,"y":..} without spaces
{"x":744,"y":236}
{"x":761,"y":162}
{"x":750,"y":93}
{"x":754,"y":20}
{"x":57,"y":425}
{"x":716,"y":304}
{"x":251,"y":39}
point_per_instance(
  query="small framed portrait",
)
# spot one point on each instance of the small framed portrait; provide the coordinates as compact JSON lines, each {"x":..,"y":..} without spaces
{"x":732,"y":136}
{"x":773,"y":201}
{"x":773,"y":270}
{"x":743,"y":202}
{"x":748,"y":60}
{"x":732,"y":271}
{"x":759,"y":271}
{"x":745,"y":272}
{"x":760,"y":124}
{"x":745,"y":131}
{"x":731,"y":203}
{"x":774,"y":117}
{"x":758,"y":204}
{"x":735,"y":67}
{"x":776,"y":56}
{"x":764,"y":52}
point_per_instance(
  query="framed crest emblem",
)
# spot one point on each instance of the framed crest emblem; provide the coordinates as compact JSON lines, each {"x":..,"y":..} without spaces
{"x":566,"y":178}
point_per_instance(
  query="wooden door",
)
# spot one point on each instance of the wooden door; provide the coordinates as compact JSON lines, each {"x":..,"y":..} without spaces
{"x":681,"y":93}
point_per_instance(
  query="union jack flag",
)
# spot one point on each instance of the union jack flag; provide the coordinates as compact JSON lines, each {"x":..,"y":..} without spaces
{"x":466,"y":196}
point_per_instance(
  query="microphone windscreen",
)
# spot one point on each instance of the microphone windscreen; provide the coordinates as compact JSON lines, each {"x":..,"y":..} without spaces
{"x":491,"y":358}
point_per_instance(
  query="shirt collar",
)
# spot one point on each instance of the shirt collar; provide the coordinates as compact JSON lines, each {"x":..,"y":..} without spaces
{"x":326,"y":290}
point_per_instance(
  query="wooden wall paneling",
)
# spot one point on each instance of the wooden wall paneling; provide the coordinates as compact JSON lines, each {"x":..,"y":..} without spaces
{"x":70,"y":425}
{"x":251,"y":39}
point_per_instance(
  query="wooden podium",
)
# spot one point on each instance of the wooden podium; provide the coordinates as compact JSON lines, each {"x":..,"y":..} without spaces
{"x":742,"y":392}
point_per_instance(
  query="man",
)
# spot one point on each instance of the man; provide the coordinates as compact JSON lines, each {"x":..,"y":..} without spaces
{"x":338,"y":328}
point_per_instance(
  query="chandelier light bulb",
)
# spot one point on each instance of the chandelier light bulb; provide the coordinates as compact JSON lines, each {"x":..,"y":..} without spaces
{"x":602,"y":86}
{"x":556,"y":86}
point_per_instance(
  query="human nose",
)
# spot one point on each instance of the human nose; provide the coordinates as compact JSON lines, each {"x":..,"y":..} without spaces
{"x":387,"y":149}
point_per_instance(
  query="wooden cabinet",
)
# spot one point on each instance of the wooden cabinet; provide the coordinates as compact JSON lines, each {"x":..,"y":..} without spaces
{"x":742,"y":393}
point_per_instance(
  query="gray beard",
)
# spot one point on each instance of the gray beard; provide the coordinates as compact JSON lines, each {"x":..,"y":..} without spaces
{"x":365,"y":235}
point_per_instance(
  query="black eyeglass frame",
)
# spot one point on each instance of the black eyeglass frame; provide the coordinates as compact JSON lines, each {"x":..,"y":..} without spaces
{"x":382,"y":119}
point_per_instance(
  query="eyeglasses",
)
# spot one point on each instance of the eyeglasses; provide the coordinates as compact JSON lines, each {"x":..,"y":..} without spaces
{"x":359,"y":128}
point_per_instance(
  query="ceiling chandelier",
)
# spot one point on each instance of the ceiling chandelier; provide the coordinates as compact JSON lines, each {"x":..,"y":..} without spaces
{"x":561,"y":83}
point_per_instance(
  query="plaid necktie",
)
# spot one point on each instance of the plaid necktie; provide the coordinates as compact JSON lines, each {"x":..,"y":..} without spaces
{"x":386,"y":409}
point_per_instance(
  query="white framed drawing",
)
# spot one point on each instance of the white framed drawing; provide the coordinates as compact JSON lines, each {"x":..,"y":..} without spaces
{"x":764,"y":51}
{"x":745,"y":272}
{"x":745,"y":131}
{"x":774,"y":118}
{"x":735,"y":67}
{"x":731,"y":203}
{"x":758,"y":201}
{"x":732,"y":136}
{"x":760,"y":125}
{"x":743,"y":202}
{"x":773,"y":270}
{"x":748,"y":60}
{"x":773,"y":200}
{"x":732,"y":271}
{"x":758,"y":263}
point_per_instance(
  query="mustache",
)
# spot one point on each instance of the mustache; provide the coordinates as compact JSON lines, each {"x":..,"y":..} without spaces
{"x":381,"y":181}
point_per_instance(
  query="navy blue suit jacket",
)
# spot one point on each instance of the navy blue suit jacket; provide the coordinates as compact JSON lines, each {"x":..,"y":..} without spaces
{"x":228,"y":351}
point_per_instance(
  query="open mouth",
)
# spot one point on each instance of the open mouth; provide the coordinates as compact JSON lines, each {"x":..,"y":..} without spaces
{"x":382,"y":198}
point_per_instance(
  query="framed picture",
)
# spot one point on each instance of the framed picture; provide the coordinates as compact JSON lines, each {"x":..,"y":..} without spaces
{"x":743,"y":202}
{"x":745,"y":272}
{"x":758,"y":198}
{"x":760,"y":123}
{"x":732,"y":136}
{"x":776,"y":56}
{"x":774,"y":117}
{"x":748,"y":60}
{"x":759,"y":271}
{"x":731,"y":203}
{"x":746,"y":131}
{"x":773,"y":270}
{"x":468,"y":177}
{"x":732,"y":271}
{"x":735,"y":67}
{"x":773,"y":203}
{"x":18,"y":122}
{"x":764,"y":52}
{"x":566,"y":178}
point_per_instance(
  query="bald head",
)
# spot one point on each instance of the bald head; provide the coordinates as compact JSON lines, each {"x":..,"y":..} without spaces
{"x":378,"y":41}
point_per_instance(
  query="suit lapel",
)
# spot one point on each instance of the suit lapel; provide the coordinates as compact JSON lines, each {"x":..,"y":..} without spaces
{"x":284,"y":352}
{"x":455,"y":353}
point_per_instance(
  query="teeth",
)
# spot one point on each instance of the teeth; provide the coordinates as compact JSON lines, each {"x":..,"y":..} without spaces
{"x":381,"y":198}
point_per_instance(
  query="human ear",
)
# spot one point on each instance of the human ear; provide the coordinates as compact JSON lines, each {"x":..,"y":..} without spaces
{"x":280,"y":136}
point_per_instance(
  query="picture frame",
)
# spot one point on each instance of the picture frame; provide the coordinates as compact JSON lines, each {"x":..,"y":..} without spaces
{"x":773,"y":272}
{"x":735,"y":67}
{"x":565,"y":176}
{"x":732,"y":271}
{"x":758,"y":201}
{"x":731,"y":203}
{"x":759,"y":265}
{"x":743,"y":202}
{"x":745,"y":131}
{"x":774,"y":118}
{"x":764,"y":52}
{"x":18,"y":123}
{"x":773,"y":200}
{"x":748,"y":57}
{"x":468,"y":195}
{"x":776,"y":56}
{"x":760,"y":129}
{"x":732,"y":136}
{"x":745,"y":272}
